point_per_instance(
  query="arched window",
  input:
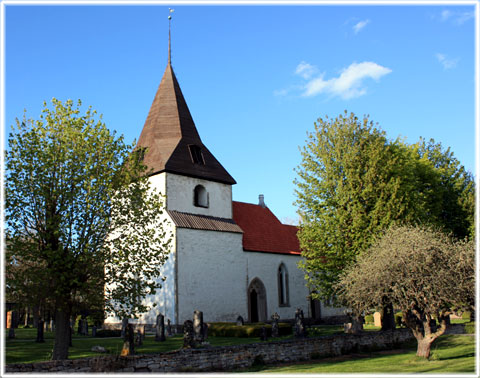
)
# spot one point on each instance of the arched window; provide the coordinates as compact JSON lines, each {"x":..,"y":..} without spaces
{"x":200,"y":196}
{"x":282,"y":276}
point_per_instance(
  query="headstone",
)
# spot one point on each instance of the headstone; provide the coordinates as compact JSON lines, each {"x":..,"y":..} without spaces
{"x":198,"y":325}
{"x":85,"y":327}
{"x":355,"y":324}
{"x":205,"y":331}
{"x":94,"y":331}
{"x":263,"y":334}
{"x":40,"y":338}
{"x":138,"y":338}
{"x":275,"y":318}
{"x":11,"y":333}
{"x":240,"y":321}
{"x":52,"y":325}
{"x":299,"y":324}
{"x":124,"y":327}
{"x":9,"y":319}
{"x":160,"y":328}
{"x":188,"y":335}
{"x":377,"y":319}
{"x":169,"y":328}
{"x":128,"y":341}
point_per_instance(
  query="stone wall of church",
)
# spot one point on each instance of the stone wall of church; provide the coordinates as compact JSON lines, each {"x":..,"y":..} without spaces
{"x":180,"y":196}
{"x":211,"y":275}
{"x":265,"y":267}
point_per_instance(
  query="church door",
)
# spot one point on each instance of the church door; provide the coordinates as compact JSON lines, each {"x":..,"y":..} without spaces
{"x":257,"y":301}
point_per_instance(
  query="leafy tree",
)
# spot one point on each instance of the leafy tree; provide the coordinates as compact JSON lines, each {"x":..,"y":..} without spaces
{"x":354,"y":183}
{"x":351,"y":186}
{"x":79,"y":207}
{"x":424,"y":273}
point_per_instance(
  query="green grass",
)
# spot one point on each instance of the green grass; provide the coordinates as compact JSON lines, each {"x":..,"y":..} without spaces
{"x":24,"y":349}
{"x":450,"y":353}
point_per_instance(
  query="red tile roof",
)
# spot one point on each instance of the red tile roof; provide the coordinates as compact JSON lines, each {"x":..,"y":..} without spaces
{"x":263,"y":232}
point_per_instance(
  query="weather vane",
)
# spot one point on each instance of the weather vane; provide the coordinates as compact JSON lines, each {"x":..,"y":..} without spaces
{"x":170,"y":11}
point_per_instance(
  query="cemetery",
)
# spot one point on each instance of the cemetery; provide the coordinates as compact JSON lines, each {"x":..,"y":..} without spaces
{"x":199,"y":346}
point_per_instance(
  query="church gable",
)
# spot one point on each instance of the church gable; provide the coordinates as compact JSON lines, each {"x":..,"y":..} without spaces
{"x":263,"y":232}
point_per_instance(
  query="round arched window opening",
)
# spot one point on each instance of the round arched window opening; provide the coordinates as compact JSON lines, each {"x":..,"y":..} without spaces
{"x":200,"y":196}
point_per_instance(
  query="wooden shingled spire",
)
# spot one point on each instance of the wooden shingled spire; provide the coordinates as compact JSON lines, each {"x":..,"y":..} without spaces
{"x":171,"y":138}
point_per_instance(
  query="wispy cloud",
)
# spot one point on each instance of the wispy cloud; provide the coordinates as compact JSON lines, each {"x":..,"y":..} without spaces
{"x":305,"y":70}
{"x":458,"y":18}
{"x":349,"y":84}
{"x":360,"y":25}
{"x":446,"y":62}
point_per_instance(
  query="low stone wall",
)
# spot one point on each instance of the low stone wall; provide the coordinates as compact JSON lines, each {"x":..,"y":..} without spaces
{"x":225,"y":358}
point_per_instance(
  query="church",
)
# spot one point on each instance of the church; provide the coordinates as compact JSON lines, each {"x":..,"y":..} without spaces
{"x":229,"y":258}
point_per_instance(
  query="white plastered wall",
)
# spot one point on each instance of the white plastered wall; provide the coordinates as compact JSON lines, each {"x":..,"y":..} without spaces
{"x":211,"y":275}
{"x":265,"y":267}
{"x":180,"y":195}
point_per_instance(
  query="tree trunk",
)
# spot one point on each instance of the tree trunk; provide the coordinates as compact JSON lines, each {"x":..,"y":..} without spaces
{"x":36,"y":315}
{"x":423,"y":347}
{"x":26,"y":318}
{"x":62,"y":336}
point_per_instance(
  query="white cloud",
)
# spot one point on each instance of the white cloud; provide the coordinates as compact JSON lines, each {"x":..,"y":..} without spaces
{"x":349,"y":84}
{"x":360,"y":25}
{"x":305,"y":70}
{"x":280,"y":92}
{"x":458,"y":18}
{"x":446,"y":62}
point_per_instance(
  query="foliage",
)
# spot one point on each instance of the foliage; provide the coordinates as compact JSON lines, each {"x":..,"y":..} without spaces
{"x":81,"y":216}
{"x":353,"y":183}
{"x":422,"y":272}
{"x":398,"y":319}
{"x":248,"y":330}
{"x":369,"y":319}
{"x":470,"y":327}
{"x":466,"y":315}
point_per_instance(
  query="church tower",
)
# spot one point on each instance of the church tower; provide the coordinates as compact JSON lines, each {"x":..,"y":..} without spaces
{"x":188,"y":173}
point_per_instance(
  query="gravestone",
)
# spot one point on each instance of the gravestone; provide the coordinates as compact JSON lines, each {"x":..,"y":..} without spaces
{"x":263,"y":334}
{"x":160,"y":328}
{"x":240,"y":321}
{"x":275,"y":318}
{"x":11,"y":333}
{"x":205,"y":331}
{"x":169,"y":328}
{"x":198,"y":325}
{"x":9,"y":319}
{"x":355,"y":324}
{"x":377,"y":319}
{"x":94,"y":331}
{"x":188,"y":335}
{"x":52,"y":325}
{"x":40,"y":338}
{"x":124,"y":327}
{"x":299,"y":324}
{"x":128,"y":341}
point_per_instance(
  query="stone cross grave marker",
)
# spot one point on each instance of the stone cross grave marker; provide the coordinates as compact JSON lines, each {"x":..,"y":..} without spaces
{"x":299,"y":324}
{"x":240,"y":321}
{"x":275,"y":318}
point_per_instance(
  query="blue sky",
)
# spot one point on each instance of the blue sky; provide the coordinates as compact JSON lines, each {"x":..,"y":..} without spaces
{"x":255,"y":78}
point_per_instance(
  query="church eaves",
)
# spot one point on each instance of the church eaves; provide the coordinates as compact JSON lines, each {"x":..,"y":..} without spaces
{"x":172,"y":140}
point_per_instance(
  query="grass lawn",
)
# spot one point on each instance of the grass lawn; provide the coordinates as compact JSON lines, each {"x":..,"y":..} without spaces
{"x":24,"y":349}
{"x":450,"y":354}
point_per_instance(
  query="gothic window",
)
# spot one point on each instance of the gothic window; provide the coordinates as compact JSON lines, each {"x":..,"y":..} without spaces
{"x":196,"y":154}
{"x":282,"y":276}
{"x":200,"y":196}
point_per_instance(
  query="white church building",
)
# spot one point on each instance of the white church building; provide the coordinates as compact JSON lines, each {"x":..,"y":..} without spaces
{"x":228,"y":258}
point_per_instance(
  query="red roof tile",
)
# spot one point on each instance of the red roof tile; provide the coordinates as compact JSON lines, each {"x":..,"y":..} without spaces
{"x":263,"y":232}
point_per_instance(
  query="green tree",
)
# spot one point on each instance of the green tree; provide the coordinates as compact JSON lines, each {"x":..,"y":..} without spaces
{"x":79,"y":205}
{"x":354,"y":183}
{"x":351,"y":186}
{"x":424,"y":273}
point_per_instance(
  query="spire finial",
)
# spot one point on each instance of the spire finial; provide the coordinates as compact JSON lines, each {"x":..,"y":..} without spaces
{"x":170,"y":11}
